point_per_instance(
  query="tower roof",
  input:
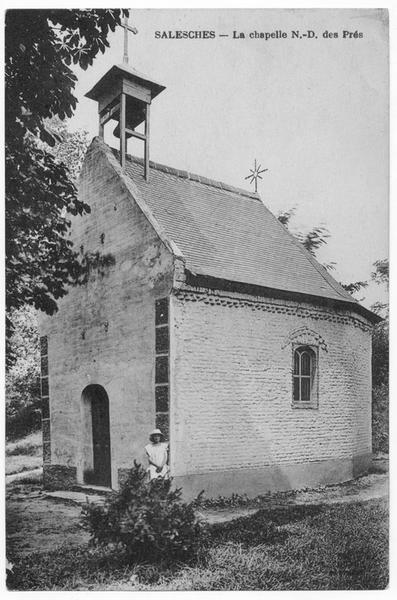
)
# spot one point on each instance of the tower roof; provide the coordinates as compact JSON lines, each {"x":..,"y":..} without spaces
{"x":115,"y":73}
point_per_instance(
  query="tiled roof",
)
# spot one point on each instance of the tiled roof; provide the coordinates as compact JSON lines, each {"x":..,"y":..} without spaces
{"x":228,"y":233}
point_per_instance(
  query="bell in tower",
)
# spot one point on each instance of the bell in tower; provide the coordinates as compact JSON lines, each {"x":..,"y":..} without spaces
{"x":125,"y":95}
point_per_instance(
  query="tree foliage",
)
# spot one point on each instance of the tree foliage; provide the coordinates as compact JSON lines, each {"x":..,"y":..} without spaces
{"x":380,"y":334}
{"x":380,"y":364}
{"x":70,"y":147}
{"x":22,"y":343}
{"x":312,"y":240}
{"x":381,"y":273}
{"x":41,"y":196}
{"x":354,"y":286}
{"x":286,"y":215}
{"x":380,"y":353}
{"x":380,"y":418}
{"x":23,"y":374}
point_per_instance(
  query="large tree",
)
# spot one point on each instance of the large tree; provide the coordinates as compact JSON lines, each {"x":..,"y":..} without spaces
{"x":23,"y":357}
{"x":40,"y":46}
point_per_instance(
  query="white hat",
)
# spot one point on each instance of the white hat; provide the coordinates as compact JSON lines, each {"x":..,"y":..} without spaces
{"x":155,"y":432}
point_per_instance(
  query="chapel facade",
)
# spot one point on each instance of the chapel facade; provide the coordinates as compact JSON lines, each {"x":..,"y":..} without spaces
{"x":209,"y":321}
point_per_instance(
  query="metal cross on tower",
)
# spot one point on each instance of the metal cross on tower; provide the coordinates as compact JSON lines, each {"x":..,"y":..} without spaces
{"x":256,"y":174}
{"x":127,"y":28}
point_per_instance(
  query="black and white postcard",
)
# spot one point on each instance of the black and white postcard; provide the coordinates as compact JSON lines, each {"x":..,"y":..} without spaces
{"x":197,"y":309}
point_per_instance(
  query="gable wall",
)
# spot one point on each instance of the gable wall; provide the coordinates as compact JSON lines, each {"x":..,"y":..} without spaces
{"x":232,"y":421}
{"x":104,"y":331}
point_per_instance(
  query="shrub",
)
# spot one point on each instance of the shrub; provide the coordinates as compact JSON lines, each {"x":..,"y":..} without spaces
{"x":146,"y":521}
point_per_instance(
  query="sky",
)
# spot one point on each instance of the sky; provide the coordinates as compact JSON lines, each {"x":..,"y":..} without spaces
{"x":313,"y":111}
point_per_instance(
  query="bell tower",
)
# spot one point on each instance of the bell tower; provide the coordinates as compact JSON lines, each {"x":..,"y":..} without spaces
{"x":125,"y":95}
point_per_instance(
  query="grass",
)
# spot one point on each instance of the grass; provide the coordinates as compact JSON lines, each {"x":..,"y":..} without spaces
{"x":334,"y":547}
{"x":25,"y":454}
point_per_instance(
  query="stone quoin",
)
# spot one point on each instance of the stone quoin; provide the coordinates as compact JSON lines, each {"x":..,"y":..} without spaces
{"x":210,"y":321}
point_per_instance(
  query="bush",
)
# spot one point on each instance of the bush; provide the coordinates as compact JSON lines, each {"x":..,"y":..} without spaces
{"x":147,"y":521}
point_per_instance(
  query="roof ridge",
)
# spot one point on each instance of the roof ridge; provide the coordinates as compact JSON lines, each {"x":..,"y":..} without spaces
{"x":192,"y":177}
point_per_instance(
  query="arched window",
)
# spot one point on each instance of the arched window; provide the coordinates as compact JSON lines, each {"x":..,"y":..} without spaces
{"x":304,"y":375}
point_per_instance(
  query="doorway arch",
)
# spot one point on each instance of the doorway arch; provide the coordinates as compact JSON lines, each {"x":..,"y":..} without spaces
{"x":97,"y":469}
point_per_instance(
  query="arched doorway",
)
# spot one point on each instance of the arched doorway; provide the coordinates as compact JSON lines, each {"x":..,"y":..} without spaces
{"x":96,"y":401}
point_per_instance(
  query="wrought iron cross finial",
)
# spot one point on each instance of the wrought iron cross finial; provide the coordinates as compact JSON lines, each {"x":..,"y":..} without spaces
{"x":255,"y":175}
{"x":127,"y":28}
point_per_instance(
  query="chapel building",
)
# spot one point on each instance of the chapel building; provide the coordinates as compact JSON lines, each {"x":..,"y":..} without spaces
{"x":207,"y":319}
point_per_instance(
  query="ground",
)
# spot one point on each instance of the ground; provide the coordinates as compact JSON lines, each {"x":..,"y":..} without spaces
{"x":335,"y":537}
{"x":33,"y":521}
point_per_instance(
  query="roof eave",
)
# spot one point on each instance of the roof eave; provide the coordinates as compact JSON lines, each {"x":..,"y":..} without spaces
{"x":206,"y":281}
{"x":118,"y":71}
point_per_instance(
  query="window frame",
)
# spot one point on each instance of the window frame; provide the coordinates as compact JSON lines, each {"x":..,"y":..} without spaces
{"x":313,"y":403}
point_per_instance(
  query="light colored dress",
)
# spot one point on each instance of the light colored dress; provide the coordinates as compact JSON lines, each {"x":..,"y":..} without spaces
{"x":157,"y":454}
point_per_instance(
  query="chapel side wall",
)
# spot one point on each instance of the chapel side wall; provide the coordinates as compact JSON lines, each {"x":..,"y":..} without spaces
{"x":104,"y":331}
{"x":232,"y":412}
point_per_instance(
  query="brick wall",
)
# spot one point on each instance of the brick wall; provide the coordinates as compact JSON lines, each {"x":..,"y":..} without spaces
{"x":104,"y":331}
{"x":232,"y":384}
